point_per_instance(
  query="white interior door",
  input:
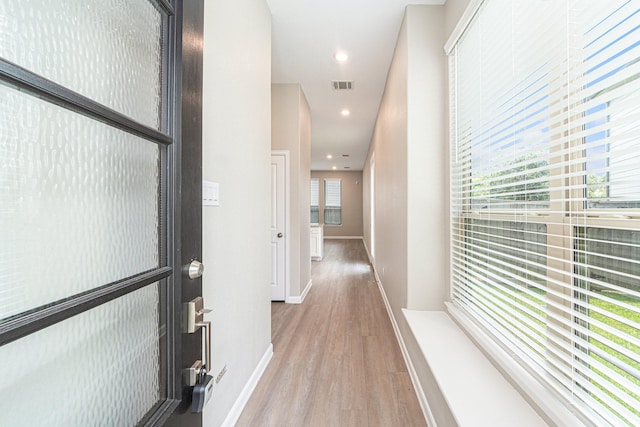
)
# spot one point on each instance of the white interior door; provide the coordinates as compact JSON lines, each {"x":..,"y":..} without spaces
{"x":278,"y":225}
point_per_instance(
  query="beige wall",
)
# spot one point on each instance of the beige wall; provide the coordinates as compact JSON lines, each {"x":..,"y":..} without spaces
{"x":236,"y":154}
{"x":351,"y":203}
{"x":453,"y":11}
{"x":410,"y":156}
{"x":389,"y":143}
{"x":427,"y":157}
{"x":291,"y":131}
{"x":410,"y":149}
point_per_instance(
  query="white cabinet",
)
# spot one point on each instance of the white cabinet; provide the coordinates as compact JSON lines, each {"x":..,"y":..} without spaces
{"x":317,"y":242}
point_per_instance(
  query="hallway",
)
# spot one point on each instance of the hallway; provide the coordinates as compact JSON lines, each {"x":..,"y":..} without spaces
{"x":336,"y":359}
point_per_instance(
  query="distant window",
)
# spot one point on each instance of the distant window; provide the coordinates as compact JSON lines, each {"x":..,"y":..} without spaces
{"x":332,"y":202}
{"x":315,"y":200}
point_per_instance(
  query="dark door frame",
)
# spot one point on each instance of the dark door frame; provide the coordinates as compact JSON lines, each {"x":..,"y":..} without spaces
{"x":188,"y":192}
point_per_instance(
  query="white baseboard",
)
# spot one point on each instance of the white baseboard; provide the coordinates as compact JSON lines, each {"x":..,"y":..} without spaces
{"x":300,"y":299}
{"x":422,"y":398}
{"x":343,"y":237}
{"x":245,"y":394}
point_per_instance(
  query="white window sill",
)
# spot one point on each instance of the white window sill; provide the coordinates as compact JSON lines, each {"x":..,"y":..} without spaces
{"x":474,"y":389}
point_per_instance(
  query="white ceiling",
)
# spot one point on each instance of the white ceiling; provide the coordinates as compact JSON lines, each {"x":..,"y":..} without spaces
{"x":306,"y":35}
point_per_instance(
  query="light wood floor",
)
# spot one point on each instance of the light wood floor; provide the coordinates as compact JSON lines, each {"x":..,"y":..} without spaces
{"x":336,"y":360}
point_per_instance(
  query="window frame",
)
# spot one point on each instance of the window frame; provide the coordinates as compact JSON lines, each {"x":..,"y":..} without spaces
{"x":335,"y":208}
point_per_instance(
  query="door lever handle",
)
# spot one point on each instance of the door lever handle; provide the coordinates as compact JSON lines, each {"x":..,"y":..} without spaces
{"x":207,"y":345}
{"x":279,"y":235}
{"x":193,"y":315}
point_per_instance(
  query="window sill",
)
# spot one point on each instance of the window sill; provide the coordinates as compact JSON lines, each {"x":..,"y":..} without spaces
{"x":475,"y":391}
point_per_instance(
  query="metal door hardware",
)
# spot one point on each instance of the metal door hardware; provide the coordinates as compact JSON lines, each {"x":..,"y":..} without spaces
{"x":196,"y":269}
{"x":197,"y":375}
{"x":190,"y":375}
{"x":280,"y":235}
{"x":207,"y":343}
{"x":193,"y":315}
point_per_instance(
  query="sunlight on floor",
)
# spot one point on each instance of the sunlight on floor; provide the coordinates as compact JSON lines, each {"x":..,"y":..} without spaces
{"x":357,"y":268}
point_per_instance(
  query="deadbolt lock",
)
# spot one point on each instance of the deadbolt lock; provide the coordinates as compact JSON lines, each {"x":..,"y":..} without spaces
{"x":196,"y":269}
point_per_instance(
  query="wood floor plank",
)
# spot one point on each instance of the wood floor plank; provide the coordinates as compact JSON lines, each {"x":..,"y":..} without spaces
{"x":336,"y":359}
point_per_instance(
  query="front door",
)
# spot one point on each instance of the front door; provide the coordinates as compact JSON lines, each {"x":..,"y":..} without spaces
{"x":94,"y":200}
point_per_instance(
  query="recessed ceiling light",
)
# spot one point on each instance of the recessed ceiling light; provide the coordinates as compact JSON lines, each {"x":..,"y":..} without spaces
{"x":334,"y":168}
{"x":329,"y":156}
{"x":341,"y":56}
{"x":345,"y":112}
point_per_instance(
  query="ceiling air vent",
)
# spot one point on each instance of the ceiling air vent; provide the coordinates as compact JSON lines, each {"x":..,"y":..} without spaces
{"x":342,"y":84}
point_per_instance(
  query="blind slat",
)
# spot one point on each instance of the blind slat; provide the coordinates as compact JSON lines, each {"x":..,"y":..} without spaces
{"x":315,"y":192}
{"x":332,"y":193}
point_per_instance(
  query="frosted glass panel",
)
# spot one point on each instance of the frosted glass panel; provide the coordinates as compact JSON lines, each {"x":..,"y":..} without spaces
{"x":107,"y":50}
{"x":100,"y":368}
{"x":78,"y":203}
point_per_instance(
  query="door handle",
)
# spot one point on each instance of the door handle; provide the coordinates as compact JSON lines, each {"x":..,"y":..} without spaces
{"x":279,"y":235}
{"x":207,"y":344}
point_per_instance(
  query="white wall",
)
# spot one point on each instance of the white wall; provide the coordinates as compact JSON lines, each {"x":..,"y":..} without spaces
{"x":236,"y":154}
{"x":427,"y":191}
{"x":304,"y":195}
{"x":291,"y":130}
{"x":410,"y":153}
{"x":389,"y":143}
{"x":411,"y":190}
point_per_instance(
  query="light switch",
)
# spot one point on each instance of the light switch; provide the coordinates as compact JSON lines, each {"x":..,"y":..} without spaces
{"x":210,"y":193}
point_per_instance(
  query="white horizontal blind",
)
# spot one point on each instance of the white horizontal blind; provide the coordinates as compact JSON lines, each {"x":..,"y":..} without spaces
{"x":332,"y":201}
{"x":315,"y":192}
{"x":546,"y":192}
{"x":314,"y":187}
{"x":332,"y":193}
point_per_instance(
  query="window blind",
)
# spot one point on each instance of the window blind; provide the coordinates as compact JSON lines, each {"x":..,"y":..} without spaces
{"x":315,"y":192}
{"x":545,"y":193}
{"x":314,"y":187}
{"x":332,"y":201}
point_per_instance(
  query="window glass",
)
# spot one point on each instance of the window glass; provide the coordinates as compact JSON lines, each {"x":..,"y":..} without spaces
{"x":332,"y":202}
{"x":315,"y":200}
{"x":545,"y":200}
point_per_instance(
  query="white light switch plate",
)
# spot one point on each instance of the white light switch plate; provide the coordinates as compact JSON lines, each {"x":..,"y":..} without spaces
{"x":210,"y":193}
